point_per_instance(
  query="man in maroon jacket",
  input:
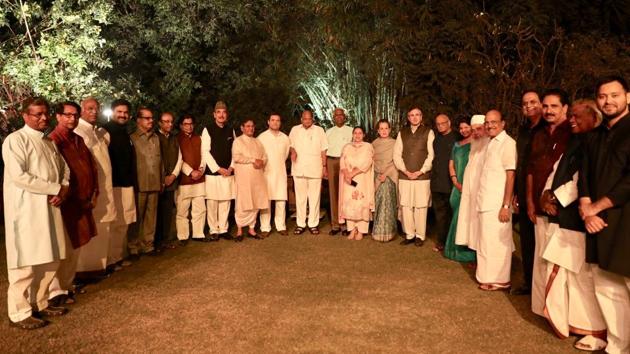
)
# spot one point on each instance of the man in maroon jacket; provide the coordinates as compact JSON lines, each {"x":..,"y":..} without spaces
{"x":76,"y":211}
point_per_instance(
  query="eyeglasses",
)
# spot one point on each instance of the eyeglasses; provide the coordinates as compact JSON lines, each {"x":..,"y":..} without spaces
{"x":75,"y":115}
{"x":39,"y":115}
{"x":145,"y":117}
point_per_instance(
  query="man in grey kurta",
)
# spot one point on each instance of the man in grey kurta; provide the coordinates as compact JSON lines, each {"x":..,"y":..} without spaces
{"x":148,"y":184}
{"x":36,"y":180}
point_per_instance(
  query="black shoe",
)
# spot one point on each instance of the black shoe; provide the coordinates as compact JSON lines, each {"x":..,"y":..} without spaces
{"x":155,"y":252}
{"x":209,"y":238}
{"x":226,"y":236}
{"x":407,"y":241}
{"x":29,"y":323}
{"x":199,"y":239}
{"x":182,"y":243}
{"x":134,"y":257}
{"x":239,"y":238}
{"x":333,"y":232}
{"x":53,"y":311}
{"x":418,"y":242}
{"x":523,"y":290}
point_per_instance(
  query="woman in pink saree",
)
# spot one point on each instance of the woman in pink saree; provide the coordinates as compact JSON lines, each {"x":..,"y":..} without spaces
{"x":356,"y":185}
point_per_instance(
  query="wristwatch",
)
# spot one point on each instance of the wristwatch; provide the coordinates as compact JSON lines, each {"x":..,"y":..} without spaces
{"x":505,"y":206}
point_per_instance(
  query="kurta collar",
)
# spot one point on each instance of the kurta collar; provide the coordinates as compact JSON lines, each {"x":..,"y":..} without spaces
{"x":500,"y":137}
{"x":87,"y":124}
{"x":32,"y":131}
{"x":65,"y":133}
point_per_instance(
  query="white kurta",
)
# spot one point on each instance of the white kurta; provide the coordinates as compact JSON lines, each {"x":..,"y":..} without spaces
{"x":277,"y":150}
{"x":93,"y":255}
{"x":217,"y":187}
{"x":467,"y":233}
{"x":495,"y":244}
{"x":309,"y":144}
{"x":34,"y":169}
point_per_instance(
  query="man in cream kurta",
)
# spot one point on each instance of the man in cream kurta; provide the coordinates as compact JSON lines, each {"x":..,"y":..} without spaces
{"x":338,"y":136}
{"x":216,"y":152}
{"x":496,"y":185}
{"x":277,"y":146}
{"x":308,"y":157}
{"x":36,"y":180}
{"x":413,"y":157}
{"x":93,"y":256}
{"x":249,"y":159}
{"x":467,"y":222}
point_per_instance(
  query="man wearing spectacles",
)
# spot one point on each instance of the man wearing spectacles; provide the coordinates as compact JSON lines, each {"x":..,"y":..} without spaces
{"x":36,"y":180}
{"x":77,"y":210}
{"x":149,"y":178}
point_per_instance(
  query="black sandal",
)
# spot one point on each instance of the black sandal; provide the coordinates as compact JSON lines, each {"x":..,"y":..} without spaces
{"x":298,"y":230}
{"x":254,"y":236}
{"x":314,"y":230}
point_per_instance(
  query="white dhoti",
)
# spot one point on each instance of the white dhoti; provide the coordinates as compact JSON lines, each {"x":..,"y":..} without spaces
{"x":307,"y":190}
{"x":28,"y":289}
{"x":92,"y":256}
{"x":361,"y":225}
{"x":570,"y":302}
{"x":190,"y":199}
{"x":219,"y":193}
{"x":125,"y":203}
{"x":414,"y":202}
{"x":613,"y":296}
{"x":494,"y":249}
{"x":543,"y":231}
{"x":279,"y":218}
{"x":61,"y":283}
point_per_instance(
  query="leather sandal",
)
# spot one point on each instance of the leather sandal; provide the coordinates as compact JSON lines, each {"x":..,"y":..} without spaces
{"x":314,"y":230}
{"x":298,"y":231}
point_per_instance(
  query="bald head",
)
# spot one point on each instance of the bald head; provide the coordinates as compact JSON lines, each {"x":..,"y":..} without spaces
{"x":89,"y":110}
{"x":494,"y":123}
{"x":443,"y":124}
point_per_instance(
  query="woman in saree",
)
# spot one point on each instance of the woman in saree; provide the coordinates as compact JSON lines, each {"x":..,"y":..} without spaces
{"x":456,"y":166}
{"x":356,"y":185}
{"x":385,"y":185}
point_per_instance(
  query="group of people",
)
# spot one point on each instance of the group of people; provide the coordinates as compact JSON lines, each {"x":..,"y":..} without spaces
{"x":88,"y":200}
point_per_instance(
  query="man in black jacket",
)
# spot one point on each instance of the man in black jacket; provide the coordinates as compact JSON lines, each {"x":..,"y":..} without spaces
{"x":570,"y":301}
{"x":605,"y":208}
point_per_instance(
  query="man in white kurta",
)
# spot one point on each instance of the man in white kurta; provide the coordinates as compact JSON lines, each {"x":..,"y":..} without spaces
{"x":277,"y":146}
{"x":308,"y":157}
{"x":249,"y":159}
{"x":496,"y":186}
{"x":36,"y":180}
{"x":338,"y":136}
{"x":216,"y":146}
{"x":468,"y":223}
{"x":413,"y":157}
{"x":191,"y":192}
{"x":93,"y":256}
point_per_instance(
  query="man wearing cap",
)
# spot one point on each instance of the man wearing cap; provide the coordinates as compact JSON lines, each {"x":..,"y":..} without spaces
{"x":93,"y":256}
{"x":413,"y":157}
{"x":494,"y":199}
{"x":338,"y":136}
{"x":467,"y":222}
{"x":216,"y":146}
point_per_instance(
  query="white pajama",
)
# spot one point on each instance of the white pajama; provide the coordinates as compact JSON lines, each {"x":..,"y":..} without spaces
{"x":494,"y":251}
{"x":125,"y":203}
{"x":246,"y":218}
{"x":93,"y":255}
{"x":414,"y":202}
{"x":279,"y":218}
{"x":28,"y":289}
{"x":218,"y":211}
{"x":361,"y":225}
{"x":613,"y":295}
{"x":307,"y":190}
{"x":64,"y":276}
{"x":188,"y":196}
